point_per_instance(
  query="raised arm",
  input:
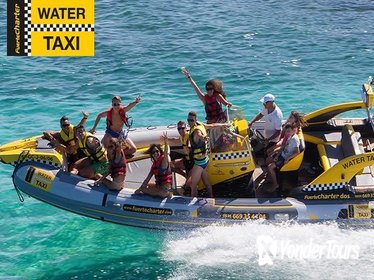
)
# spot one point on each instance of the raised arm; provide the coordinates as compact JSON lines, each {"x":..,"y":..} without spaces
{"x":166,"y":161}
{"x":98,"y":118}
{"x":84,"y":119}
{"x":194,"y":85}
{"x":132,"y":104}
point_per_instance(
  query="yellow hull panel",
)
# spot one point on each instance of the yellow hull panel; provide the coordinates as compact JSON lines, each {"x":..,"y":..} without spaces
{"x":27,"y":143}
{"x":228,"y":165}
{"x":25,"y":150}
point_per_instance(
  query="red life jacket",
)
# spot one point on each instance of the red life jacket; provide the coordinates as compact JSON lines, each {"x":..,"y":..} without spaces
{"x":122,"y":114}
{"x":118,"y":168}
{"x":213,"y":108}
{"x":162,"y":176}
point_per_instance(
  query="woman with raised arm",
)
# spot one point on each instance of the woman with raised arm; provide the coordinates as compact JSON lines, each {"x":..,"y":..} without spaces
{"x":160,"y":169}
{"x":212,"y":100}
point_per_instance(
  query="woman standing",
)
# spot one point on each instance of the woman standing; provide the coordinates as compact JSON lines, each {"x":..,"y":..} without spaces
{"x":212,"y":100}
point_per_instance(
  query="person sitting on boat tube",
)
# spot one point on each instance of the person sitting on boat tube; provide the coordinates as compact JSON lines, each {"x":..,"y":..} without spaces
{"x":65,"y":140}
{"x":116,"y":118}
{"x":160,"y":169}
{"x":117,"y":166}
{"x":199,"y":151}
{"x":273,"y":120}
{"x":289,"y":150}
{"x":96,"y":161}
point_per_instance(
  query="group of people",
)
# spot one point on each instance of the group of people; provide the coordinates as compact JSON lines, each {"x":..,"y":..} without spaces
{"x":89,"y":157}
{"x":194,"y":142}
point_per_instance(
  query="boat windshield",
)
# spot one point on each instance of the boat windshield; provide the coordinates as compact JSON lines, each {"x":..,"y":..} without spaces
{"x":236,"y":112}
{"x":231,"y":139}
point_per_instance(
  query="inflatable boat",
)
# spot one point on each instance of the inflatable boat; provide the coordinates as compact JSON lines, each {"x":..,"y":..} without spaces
{"x":332,"y":178}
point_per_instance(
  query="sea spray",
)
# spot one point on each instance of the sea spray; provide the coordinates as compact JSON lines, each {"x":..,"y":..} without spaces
{"x":234,"y":250}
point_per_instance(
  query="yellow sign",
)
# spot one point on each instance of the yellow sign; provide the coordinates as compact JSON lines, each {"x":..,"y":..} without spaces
{"x":359,"y":211}
{"x":62,"y":12}
{"x":51,"y":28}
{"x":62,"y":43}
{"x":40,"y":178}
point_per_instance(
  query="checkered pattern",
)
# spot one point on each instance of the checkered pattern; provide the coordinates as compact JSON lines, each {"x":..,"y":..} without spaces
{"x":242,"y":154}
{"x":29,"y":27}
{"x":40,"y":161}
{"x":325,"y":187}
{"x":62,"y":27}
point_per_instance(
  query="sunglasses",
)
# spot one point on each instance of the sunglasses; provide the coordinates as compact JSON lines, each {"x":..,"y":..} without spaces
{"x":155,"y":152}
{"x":181,"y":128}
{"x":208,"y":89}
{"x":116,"y":104}
{"x":190,"y":120}
{"x":65,"y":125}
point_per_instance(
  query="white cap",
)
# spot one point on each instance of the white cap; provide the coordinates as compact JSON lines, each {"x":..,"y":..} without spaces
{"x":267,"y":98}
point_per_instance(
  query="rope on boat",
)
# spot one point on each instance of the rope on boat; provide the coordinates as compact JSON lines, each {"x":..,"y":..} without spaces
{"x":21,"y":158}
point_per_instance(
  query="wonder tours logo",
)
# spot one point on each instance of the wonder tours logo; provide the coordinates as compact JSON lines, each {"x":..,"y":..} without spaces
{"x":51,"y":28}
{"x":269,"y":250}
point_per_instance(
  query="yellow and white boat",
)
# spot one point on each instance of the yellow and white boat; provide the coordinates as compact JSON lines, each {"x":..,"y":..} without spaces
{"x":332,"y":178}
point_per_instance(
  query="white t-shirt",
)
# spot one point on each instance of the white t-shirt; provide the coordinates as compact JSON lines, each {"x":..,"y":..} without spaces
{"x":291,"y":144}
{"x":273,"y":122}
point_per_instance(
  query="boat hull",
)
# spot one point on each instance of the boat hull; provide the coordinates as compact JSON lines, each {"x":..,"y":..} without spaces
{"x":80,"y":196}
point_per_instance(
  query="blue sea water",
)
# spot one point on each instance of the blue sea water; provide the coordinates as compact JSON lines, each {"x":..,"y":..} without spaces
{"x":308,"y":53}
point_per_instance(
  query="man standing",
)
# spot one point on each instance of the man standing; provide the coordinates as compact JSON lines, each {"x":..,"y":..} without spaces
{"x":273,"y":120}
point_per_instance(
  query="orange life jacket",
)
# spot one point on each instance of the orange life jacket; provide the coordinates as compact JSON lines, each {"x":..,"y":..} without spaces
{"x":162,"y":176}
{"x":213,"y":108}
{"x":122,"y":113}
{"x":118,"y":168}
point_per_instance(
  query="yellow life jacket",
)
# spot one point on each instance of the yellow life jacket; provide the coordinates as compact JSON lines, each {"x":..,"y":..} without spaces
{"x":184,"y":140}
{"x":68,"y":140}
{"x":200,"y":148}
{"x":100,"y":153}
